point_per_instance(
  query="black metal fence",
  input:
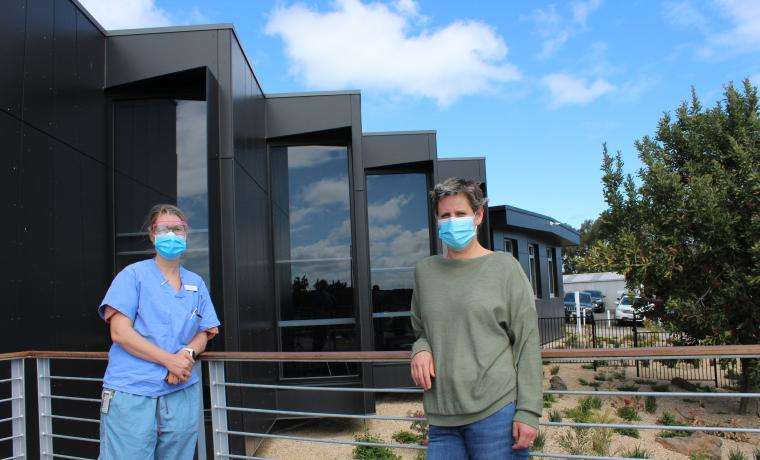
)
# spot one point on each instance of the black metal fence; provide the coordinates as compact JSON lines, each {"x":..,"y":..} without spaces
{"x":559,"y":333}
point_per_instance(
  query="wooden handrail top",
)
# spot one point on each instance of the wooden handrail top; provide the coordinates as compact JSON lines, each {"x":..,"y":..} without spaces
{"x":402,"y":356}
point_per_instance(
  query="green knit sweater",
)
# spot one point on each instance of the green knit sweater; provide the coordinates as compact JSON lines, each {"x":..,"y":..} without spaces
{"x":463,"y":312}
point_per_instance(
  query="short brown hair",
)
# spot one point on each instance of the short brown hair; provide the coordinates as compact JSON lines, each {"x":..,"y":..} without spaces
{"x":456,"y":185}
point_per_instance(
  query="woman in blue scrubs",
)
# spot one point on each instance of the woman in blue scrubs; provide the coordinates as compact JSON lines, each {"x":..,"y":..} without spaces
{"x":160,"y":317}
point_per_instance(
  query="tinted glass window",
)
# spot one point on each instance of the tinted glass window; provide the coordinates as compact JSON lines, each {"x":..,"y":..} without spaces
{"x":585,"y":298}
{"x":399,"y":237}
{"x":311,"y":207}
{"x":160,"y":157}
{"x":570,"y":297}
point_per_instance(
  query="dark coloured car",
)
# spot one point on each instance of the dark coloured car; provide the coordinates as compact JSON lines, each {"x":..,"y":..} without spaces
{"x":597,"y":298}
{"x":587,"y":306}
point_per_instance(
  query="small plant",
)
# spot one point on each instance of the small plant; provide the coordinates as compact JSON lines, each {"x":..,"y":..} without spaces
{"x":757,"y":454}
{"x":592,"y":402}
{"x":699,"y":456}
{"x":406,"y":437}
{"x":636,"y":452}
{"x":661,"y":387}
{"x":587,"y":366}
{"x":674,"y":434}
{"x":419,"y":426}
{"x":650,"y":404}
{"x":601,"y":363}
{"x":555,"y":416}
{"x":539,"y":442}
{"x":628,"y":388}
{"x":600,"y":377}
{"x":575,"y":441}
{"x":601,"y":438}
{"x":595,"y":384}
{"x":554,"y":370}
{"x":372,"y":452}
{"x":628,"y":413}
{"x":620,"y":375}
{"x":736,"y":454}
{"x":579,"y":414}
{"x":583,"y":382}
{"x":420,"y":455}
{"x":630,"y":432}
{"x":549,"y":399}
{"x":667,"y":419}
{"x":644,"y":382}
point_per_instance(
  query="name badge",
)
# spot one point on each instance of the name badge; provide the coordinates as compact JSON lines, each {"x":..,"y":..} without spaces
{"x":191,"y":287}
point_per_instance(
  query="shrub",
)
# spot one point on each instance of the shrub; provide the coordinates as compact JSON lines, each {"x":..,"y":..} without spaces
{"x":555,"y":416}
{"x":636,"y":452}
{"x":628,"y":388}
{"x":587,"y":366}
{"x":736,"y":454}
{"x":595,"y":384}
{"x":661,"y":387}
{"x":372,"y":452}
{"x":419,"y":426}
{"x":601,"y":438}
{"x":600,"y":377}
{"x":579,"y":414}
{"x":630,"y":432}
{"x":620,"y":375}
{"x":699,"y":456}
{"x":667,"y":419}
{"x":592,"y":402}
{"x":674,"y":434}
{"x":549,"y":399}
{"x":554,"y":370}
{"x":575,"y":441}
{"x":628,"y":413}
{"x":406,"y":437}
{"x":583,"y":381}
{"x":650,"y":404}
{"x":602,"y":362}
{"x":644,"y":382}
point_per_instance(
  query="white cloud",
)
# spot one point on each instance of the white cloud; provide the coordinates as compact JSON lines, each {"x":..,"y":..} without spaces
{"x":387,"y":210}
{"x":554,"y":30}
{"x":684,"y":14}
{"x":127,"y":14}
{"x":306,"y":157}
{"x":326,"y":191}
{"x":376,"y":47}
{"x":567,"y":89}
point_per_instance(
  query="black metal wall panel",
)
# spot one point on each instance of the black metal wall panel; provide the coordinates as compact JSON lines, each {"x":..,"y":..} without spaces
{"x":38,"y":63}
{"x":288,"y":116}
{"x":12,"y":33}
{"x":65,"y":71}
{"x":10,"y":134}
{"x":90,"y":103}
{"x":137,"y":57}
{"x":395,"y":149}
{"x":37,"y":250}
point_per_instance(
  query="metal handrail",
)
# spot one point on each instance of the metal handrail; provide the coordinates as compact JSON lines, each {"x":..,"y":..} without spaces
{"x":219,"y":408}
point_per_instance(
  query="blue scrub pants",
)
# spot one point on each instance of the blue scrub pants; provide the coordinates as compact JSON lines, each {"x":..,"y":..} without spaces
{"x":145,"y":428}
{"x":487,"y":439}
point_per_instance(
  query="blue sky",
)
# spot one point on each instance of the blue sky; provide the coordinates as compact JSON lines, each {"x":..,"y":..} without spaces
{"x":535,"y":87}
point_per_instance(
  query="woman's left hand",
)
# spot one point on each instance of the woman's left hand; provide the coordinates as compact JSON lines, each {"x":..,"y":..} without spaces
{"x":524,"y":435}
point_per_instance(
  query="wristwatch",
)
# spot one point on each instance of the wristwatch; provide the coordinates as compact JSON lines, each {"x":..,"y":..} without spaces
{"x":191,"y":351}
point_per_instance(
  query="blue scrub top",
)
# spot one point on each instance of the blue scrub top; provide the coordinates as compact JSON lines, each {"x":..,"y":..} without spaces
{"x":166,"y":318}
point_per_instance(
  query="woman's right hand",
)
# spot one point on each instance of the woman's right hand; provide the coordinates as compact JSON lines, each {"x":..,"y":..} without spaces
{"x":423,"y":369}
{"x":179,"y":364}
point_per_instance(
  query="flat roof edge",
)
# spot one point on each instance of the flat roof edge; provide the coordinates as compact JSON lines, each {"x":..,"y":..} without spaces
{"x":461,"y":158}
{"x":169,"y":29}
{"x":315,"y":93}
{"x":400,"y":133}
{"x":90,"y":17}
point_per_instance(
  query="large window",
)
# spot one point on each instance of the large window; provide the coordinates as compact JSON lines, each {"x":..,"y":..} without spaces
{"x":535,"y":271}
{"x":312,"y":233}
{"x":510,"y":246}
{"x":398,"y":238}
{"x":552,"y":266}
{"x":160,"y":157}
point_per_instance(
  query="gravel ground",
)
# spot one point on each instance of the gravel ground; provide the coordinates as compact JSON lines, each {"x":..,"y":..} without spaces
{"x":712,"y":412}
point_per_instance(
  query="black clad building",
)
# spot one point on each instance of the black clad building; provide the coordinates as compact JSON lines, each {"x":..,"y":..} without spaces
{"x":305,"y":228}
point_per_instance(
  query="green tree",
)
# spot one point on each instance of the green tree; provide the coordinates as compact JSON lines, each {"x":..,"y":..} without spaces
{"x":574,"y":259}
{"x":685,"y":233}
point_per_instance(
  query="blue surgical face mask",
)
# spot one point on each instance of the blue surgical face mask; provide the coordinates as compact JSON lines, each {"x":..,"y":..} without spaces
{"x":170,"y":246}
{"x":457,"y":232}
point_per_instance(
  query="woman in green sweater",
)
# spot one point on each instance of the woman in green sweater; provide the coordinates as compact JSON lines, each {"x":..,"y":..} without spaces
{"x":477,"y":351}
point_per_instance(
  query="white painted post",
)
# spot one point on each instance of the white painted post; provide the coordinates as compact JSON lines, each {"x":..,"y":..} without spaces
{"x":218,"y":411}
{"x":578,"y":313}
{"x":45,"y":408}
{"x":18,"y":410}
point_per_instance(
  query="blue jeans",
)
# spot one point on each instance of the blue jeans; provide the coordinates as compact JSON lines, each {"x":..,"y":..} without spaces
{"x":144,"y":428}
{"x":490,"y":438}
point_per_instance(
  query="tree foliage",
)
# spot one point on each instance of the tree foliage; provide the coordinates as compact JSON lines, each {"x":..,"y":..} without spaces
{"x":575,"y":258}
{"x":685,"y":232}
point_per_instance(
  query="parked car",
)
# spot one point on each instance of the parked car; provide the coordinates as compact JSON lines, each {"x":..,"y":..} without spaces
{"x":629,"y":308}
{"x":587,"y":306}
{"x":597,"y":298}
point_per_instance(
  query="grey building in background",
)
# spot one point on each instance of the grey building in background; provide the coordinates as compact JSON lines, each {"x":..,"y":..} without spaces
{"x":536,"y":241}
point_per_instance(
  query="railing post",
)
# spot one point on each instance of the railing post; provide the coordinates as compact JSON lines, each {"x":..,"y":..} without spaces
{"x":44,"y":408}
{"x":218,"y":413}
{"x":635,"y":341}
{"x":202,"y":424}
{"x":715,"y":366}
{"x":593,"y":335}
{"x":18,"y":410}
